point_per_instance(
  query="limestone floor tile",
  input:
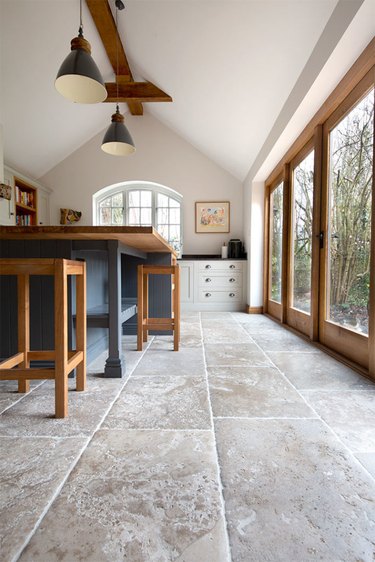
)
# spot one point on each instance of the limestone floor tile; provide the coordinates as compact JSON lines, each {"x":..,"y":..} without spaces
{"x":9,"y":394}
{"x":368,"y":461}
{"x":207,"y":317}
{"x":30,"y":472}
{"x":161,"y":402}
{"x":131,"y":356}
{"x":254,"y":392}
{"x":137,"y":496}
{"x":186,"y":340}
{"x":317,"y":371}
{"x":292,"y":493}
{"x":186,"y":362}
{"x":235,"y":354}
{"x":351,"y":415}
{"x":271,"y":340}
{"x":34,"y":416}
{"x":225,"y":334}
{"x":255,"y":320}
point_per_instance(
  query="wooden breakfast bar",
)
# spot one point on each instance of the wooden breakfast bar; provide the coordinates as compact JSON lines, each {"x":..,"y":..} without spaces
{"x":112,"y":255}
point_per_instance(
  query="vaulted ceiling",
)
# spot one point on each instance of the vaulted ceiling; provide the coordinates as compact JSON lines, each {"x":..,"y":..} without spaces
{"x":228,"y":65}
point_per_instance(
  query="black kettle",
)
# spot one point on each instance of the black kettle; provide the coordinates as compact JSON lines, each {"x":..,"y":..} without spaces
{"x":234,"y":248}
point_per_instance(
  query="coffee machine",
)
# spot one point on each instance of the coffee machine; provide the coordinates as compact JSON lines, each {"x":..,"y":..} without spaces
{"x":235,"y":248}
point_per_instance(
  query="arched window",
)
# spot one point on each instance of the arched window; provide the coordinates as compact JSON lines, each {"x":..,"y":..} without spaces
{"x":141,"y":204}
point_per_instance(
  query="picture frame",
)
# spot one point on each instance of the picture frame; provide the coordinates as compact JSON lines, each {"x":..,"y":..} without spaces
{"x":212,"y":217}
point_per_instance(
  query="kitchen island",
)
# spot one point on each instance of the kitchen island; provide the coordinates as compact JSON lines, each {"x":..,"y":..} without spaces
{"x":112,"y":255}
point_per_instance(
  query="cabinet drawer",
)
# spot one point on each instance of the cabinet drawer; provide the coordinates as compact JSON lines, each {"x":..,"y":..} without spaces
{"x":220,"y":296}
{"x":220,"y":280}
{"x":220,"y":265}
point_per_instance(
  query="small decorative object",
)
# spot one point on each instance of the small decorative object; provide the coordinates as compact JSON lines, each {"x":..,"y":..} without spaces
{"x":68,"y":216}
{"x":212,"y":216}
{"x":224,"y":251}
{"x":5,"y":191}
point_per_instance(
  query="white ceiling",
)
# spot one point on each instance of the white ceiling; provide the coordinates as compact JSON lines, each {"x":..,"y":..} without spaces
{"x":229,"y":65}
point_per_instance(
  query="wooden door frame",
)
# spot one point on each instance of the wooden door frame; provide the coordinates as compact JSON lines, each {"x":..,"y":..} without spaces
{"x":355,"y":346}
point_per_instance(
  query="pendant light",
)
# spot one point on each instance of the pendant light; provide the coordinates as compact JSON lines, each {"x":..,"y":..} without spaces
{"x":117,"y":140}
{"x":79,"y":79}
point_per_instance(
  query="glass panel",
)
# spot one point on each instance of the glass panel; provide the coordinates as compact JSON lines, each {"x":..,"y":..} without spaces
{"x":134,"y":198}
{"x":173,"y":203}
{"x":163,"y":230}
{"x":174,"y":216}
{"x":163,"y":215}
{"x":117,"y":216}
{"x":146,"y":198}
{"x":349,"y":236}
{"x":146,"y":217}
{"x":162,"y":200}
{"x":117,"y":200}
{"x":106,"y":202}
{"x":276,"y":241}
{"x":105,"y":215}
{"x":134,"y":217}
{"x":303,"y":187}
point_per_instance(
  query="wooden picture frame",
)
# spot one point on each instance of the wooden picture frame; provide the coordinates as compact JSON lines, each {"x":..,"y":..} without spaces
{"x":212,"y":217}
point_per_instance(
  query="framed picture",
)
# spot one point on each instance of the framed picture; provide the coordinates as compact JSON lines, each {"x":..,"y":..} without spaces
{"x":212,"y":216}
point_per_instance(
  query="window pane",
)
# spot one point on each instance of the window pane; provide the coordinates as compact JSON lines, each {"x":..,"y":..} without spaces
{"x":146,"y":197}
{"x":173,"y":203}
{"x":162,"y":200}
{"x":276,"y":235}
{"x":106,"y":202}
{"x":303,"y":186}
{"x":163,"y":215}
{"x":134,"y":199}
{"x":146,"y":217}
{"x":117,"y":216}
{"x":349,"y":236}
{"x":163,"y":230}
{"x":117,"y":200}
{"x":134,"y":217}
{"x":105,"y":215}
{"x":174,"y":216}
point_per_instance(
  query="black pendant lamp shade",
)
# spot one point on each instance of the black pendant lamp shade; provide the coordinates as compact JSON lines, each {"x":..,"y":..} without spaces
{"x":79,"y":79}
{"x":118,"y":140}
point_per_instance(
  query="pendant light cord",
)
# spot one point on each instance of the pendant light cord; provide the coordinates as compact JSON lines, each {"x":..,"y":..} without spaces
{"x":80,"y":31}
{"x":117,"y":108}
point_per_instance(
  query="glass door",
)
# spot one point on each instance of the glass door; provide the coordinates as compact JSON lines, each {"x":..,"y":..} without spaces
{"x":346,"y":269}
{"x":301,"y":240}
{"x":275,"y":262}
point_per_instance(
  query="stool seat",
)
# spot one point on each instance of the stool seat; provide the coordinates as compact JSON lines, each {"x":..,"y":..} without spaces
{"x":18,"y":367}
{"x":164,"y":324}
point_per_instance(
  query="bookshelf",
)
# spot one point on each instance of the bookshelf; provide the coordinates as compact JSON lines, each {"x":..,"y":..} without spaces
{"x":26,"y":203}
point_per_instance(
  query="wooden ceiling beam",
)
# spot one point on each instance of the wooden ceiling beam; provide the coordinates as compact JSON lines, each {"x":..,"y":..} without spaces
{"x":105,"y":24}
{"x":136,"y":91}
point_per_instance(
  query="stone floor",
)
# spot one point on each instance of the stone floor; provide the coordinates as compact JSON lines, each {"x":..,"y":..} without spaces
{"x":246,"y":445}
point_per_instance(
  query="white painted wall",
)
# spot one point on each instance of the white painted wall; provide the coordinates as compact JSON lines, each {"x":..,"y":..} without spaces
{"x":162,"y":157}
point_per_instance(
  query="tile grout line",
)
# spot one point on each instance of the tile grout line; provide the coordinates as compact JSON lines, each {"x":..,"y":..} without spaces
{"x":351,"y":453}
{"x":221,"y":491}
{"x":71,"y":468}
{"x":23,"y":396}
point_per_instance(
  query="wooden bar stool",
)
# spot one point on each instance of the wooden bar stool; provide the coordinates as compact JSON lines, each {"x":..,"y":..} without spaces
{"x":18,"y":367}
{"x":144,"y":322}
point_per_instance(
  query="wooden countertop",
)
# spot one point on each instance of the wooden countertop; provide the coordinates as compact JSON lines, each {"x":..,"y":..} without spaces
{"x":144,"y":238}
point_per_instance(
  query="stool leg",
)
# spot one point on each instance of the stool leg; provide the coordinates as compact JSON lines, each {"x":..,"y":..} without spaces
{"x":145,"y":306}
{"x":176,"y":308}
{"x":61,"y":340}
{"x":140,"y":308}
{"x":23,"y":283}
{"x":81,"y":327}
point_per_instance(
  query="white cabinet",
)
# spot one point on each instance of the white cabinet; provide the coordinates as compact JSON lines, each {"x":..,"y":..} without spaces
{"x":213,"y":285}
{"x":7,"y":211}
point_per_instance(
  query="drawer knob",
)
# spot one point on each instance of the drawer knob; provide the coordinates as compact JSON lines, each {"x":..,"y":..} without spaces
{"x":207,"y":294}
{"x":232,"y":267}
{"x":208,"y":280}
{"x":232,"y":280}
{"x":232,"y":295}
{"x":208,"y":267}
